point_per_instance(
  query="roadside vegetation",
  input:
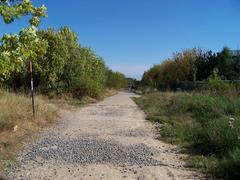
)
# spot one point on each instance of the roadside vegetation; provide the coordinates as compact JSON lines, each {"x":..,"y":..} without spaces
{"x":205,"y":119}
{"x":191,"y":68}
{"x":17,"y":124}
{"x":66,"y":68}
{"x":208,"y":126}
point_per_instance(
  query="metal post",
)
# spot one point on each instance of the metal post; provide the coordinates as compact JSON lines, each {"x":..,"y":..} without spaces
{"x":32,"y":92}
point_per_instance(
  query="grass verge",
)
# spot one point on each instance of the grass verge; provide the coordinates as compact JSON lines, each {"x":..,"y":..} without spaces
{"x":207,"y":126}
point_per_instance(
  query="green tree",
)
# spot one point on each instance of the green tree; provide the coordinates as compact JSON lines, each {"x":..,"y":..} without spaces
{"x":115,"y":80}
{"x":181,"y":67}
{"x":88,"y":74}
{"x":225,"y":63}
{"x":236,"y":67}
{"x":205,"y":63}
{"x":74,"y":51}
{"x":16,"y":49}
{"x":50,"y":67}
{"x":150,"y":77}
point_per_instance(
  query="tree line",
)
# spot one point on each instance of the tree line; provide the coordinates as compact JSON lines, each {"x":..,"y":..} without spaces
{"x":60,"y":63}
{"x":193,"y":65}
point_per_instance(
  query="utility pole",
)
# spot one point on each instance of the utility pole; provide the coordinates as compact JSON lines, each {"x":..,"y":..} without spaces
{"x":32,"y":92}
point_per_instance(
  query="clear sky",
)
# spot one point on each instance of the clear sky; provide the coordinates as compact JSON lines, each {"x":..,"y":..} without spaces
{"x":132,"y":35}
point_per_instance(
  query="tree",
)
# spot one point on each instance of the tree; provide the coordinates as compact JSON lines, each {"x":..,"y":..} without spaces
{"x":16,"y":49}
{"x":88,"y":74}
{"x":115,"y":80}
{"x":236,"y":67}
{"x":205,"y":63}
{"x":150,"y":77}
{"x":181,"y":67}
{"x":186,"y":69}
{"x":50,"y":67}
{"x":73,"y":48}
{"x":225,"y":63}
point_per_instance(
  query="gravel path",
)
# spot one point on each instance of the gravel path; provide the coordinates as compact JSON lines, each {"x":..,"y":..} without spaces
{"x":108,"y":140}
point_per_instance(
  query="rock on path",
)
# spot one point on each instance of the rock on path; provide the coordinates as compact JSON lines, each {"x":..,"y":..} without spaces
{"x":107,"y":140}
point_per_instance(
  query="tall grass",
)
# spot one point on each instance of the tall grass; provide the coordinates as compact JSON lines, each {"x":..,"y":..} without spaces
{"x":17,"y":109}
{"x":209,"y":126}
{"x":17,"y":123}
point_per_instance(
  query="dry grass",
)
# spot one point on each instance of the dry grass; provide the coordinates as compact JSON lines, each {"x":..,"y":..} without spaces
{"x":17,"y":123}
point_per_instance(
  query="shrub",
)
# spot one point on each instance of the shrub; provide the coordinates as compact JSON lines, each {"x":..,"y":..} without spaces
{"x":216,"y":86}
{"x":87,"y":87}
{"x":115,"y":80}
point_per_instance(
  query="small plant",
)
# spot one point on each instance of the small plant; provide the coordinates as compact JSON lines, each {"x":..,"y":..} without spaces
{"x":218,"y":87}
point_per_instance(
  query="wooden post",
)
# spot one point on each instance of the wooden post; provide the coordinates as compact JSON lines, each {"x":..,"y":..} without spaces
{"x":32,"y":91}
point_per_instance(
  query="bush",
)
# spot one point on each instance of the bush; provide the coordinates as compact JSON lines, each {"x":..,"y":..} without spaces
{"x":87,"y":87}
{"x":216,"y":86}
{"x":115,"y":80}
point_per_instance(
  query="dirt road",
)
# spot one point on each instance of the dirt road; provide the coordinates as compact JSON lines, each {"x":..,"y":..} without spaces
{"x":107,"y":140}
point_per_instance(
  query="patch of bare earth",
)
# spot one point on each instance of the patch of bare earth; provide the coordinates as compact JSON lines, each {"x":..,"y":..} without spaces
{"x":107,"y":140}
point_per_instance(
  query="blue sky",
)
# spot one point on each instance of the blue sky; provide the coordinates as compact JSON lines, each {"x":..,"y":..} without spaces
{"x":132,"y":35}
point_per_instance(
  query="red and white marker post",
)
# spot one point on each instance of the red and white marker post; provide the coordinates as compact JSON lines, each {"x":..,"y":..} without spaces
{"x":32,"y":91}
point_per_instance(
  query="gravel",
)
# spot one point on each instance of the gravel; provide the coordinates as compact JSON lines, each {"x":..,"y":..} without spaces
{"x":89,"y":150}
{"x":84,"y":151}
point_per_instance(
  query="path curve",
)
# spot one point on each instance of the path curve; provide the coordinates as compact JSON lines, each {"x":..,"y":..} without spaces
{"x":107,"y":140}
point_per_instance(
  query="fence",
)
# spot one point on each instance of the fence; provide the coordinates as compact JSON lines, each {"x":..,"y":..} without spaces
{"x":193,"y":85}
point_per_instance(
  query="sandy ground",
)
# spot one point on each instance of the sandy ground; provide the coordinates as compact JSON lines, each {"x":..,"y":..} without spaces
{"x":116,"y":119}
